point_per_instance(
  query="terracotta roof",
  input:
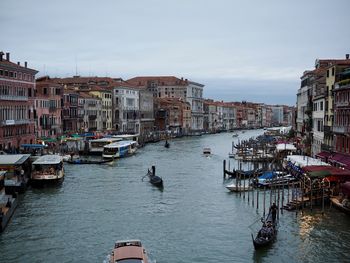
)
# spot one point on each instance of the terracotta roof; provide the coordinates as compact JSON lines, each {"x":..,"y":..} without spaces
{"x":9,"y":63}
{"x":159,"y":80}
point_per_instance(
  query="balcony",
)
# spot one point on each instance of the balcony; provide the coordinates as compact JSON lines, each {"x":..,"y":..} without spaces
{"x":92,"y":117}
{"x":14,"y":122}
{"x":341,"y":129}
{"x":342,"y":104}
{"x":11,"y":97}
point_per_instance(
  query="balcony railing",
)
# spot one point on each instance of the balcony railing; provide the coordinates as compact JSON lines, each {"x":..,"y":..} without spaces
{"x":92,"y":117}
{"x":342,"y":104}
{"x":15,"y":122}
{"x":11,"y":97}
{"x":341,"y":129}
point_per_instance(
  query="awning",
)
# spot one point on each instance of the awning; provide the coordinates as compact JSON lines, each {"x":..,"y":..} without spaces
{"x":341,"y":159}
{"x":332,"y":173}
{"x":323,"y":155}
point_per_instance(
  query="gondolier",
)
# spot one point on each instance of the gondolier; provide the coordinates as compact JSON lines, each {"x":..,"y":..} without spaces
{"x":273,"y":211}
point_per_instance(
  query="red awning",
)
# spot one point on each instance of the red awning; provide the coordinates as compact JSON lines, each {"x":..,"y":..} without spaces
{"x":341,"y":159}
{"x":323,"y":155}
{"x":336,"y":174}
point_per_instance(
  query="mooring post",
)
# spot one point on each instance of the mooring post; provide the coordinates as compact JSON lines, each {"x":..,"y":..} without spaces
{"x":248,"y":189}
{"x":278,"y":203}
{"x":240,"y":184}
{"x":264,"y":200}
{"x":153,"y":169}
{"x":244,"y":188}
{"x":224,"y":168}
{"x":257,"y":198}
{"x":310,"y":194}
{"x":282,"y":205}
{"x":322,"y":198}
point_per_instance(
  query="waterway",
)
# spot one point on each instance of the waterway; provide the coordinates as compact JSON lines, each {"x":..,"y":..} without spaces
{"x":194,"y":219}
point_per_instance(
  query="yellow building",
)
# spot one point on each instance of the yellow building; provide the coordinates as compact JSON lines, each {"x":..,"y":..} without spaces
{"x":106,"y":97}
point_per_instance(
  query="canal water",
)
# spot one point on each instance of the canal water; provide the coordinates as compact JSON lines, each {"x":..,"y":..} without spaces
{"x":194,"y":219}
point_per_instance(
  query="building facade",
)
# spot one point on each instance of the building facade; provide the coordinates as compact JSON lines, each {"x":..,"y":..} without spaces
{"x":17,"y":90}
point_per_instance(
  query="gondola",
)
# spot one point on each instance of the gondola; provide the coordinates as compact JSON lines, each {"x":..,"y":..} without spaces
{"x":167,"y":144}
{"x":267,"y":234}
{"x":81,"y":161}
{"x":153,"y":179}
{"x":244,"y":174}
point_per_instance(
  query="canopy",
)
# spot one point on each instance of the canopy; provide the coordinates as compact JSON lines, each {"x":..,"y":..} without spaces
{"x":341,"y":159}
{"x":33,"y":146}
{"x":323,"y":155}
{"x":301,"y":160}
{"x":332,"y":173}
{"x":285,"y":147}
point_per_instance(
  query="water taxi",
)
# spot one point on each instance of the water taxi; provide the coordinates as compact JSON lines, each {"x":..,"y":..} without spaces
{"x":119,"y":149}
{"x":48,"y":169}
{"x":128,"y":251}
{"x":128,"y":137}
{"x":97,"y":145}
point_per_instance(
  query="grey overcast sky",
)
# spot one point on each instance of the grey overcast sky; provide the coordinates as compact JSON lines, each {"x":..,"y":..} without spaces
{"x":241,"y":50}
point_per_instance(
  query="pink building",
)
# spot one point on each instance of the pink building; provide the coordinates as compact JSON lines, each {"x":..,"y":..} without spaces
{"x":48,"y":108}
{"x":17,"y":85}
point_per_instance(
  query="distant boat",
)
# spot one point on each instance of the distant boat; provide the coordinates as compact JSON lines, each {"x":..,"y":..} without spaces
{"x":234,"y":135}
{"x":128,"y":251}
{"x":167,"y":144}
{"x":206,"y":151}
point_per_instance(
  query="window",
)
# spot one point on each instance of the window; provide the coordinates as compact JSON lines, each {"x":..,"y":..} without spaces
{"x":327,"y":73}
{"x":321,"y":105}
{"x":333,"y":71}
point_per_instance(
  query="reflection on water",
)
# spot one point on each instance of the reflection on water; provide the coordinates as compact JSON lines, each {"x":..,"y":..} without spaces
{"x":194,"y":219}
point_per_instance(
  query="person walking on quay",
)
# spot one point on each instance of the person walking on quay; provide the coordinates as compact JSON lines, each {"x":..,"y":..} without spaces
{"x":273,"y":211}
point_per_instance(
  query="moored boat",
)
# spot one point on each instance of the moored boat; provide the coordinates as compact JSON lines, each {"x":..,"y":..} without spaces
{"x":167,"y":144}
{"x":8,"y":203}
{"x":18,"y":169}
{"x":239,"y":188}
{"x":119,"y":149}
{"x":341,"y":204}
{"x":48,"y":169}
{"x":82,"y":161}
{"x":128,"y":251}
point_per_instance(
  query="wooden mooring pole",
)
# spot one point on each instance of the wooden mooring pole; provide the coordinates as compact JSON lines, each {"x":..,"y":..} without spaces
{"x":224,"y":168}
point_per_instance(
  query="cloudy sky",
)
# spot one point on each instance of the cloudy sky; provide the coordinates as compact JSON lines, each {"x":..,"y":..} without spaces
{"x":241,"y":50}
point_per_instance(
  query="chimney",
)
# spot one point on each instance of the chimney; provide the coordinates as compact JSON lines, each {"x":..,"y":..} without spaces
{"x":347,"y":56}
{"x":1,"y":54}
{"x":25,"y":64}
{"x":18,"y":63}
{"x":7,"y":56}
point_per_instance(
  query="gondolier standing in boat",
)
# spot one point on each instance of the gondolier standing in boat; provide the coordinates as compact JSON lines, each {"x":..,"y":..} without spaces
{"x":273,"y":211}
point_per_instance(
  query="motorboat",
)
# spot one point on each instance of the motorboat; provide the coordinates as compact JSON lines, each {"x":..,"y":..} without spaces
{"x":119,"y":149}
{"x":128,"y":251}
{"x":234,"y":135}
{"x":206,"y":151}
{"x":239,"y":188}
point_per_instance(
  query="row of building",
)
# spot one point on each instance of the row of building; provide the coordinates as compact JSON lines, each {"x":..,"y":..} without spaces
{"x":40,"y":108}
{"x":323,"y":110}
